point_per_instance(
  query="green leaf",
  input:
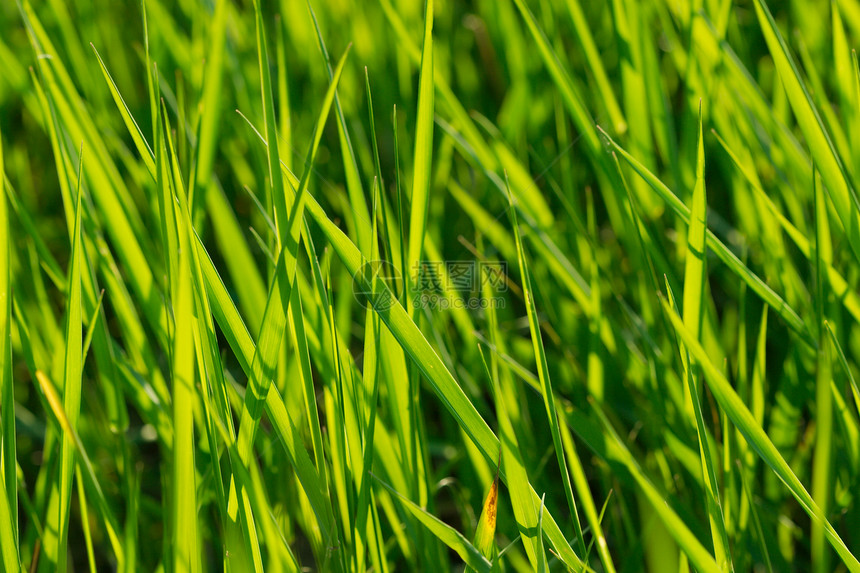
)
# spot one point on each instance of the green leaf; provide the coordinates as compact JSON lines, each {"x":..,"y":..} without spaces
{"x":755,"y":435}
{"x":543,"y":375}
{"x":8,"y":472}
{"x":445,"y":533}
{"x":72,"y":372}
{"x":820,"y":145}
{"x":695,"y":278}
{"x":423,"y":144}
{"x":759,"y":286}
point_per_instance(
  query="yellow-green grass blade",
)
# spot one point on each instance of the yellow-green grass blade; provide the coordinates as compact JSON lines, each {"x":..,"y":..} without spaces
{"x":580,"y":480}
{"x":822,"y":467}
{"x":300,"y":344}
{"x":695,"y":278}
{"x":210,"y":100}
{"x":820,"y":145}
{"x":214,"y":388}
{"x":444,"y":532}
{"x":427,"y":360}
{"x":489,"y":155}
{"x":595,"y":364}
{"x":713,"y":504}
{"x":243,"y":346}
{"x":285,"y":126}
{"x":595,"y":64}
{"x":8,"y":473}
{"x":338,"y":408}
{"x":759,"y":286}
{"x":354,"y":188}
{"x":150,"y":84}
{"x":85,"y":520}
{"x":829,"y":121}
{"x":853,"y":126}
{"x":838,"y":284}
{"x":627,"y":18}
{"x":544,"y":376}
{"x":166,"y":202}
{"x":423,"y":145}
{"x":743,"y":419}
{"x":843,"y":361}
{"x":72,"y":371}
{"x":845,"y":86}
{"x":413,"y":342}
{"x":525,"y":512}
{"x":55,"y":404}
{"x":136,"y":135}
{"x":370,"y":381}
{"x":185,"y":543}
{"x":274,"y":318}
{"x":277,"y":191}
{"x":241,"y":536}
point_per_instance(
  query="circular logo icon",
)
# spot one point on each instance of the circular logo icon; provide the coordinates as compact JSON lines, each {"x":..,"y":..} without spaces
{"x":370,"y":281}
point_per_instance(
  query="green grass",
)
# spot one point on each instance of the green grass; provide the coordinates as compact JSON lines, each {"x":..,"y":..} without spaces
{"x":508,"y":285}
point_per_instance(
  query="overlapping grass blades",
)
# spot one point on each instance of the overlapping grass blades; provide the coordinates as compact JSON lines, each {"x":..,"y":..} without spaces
{"x":269,"y":381}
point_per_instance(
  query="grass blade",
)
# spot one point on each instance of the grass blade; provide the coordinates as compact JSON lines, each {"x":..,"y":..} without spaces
{"x":543,"y":375}
{"x":447,"y":534}
{"x":423,"y":144}
{"x":695,"y":290}
{"x":9,"y":472}
{"x":72,"y":372}
{"x":758,"y":439}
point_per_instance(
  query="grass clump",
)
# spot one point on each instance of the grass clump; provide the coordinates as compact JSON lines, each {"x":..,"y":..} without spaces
{"x":485,"y":286}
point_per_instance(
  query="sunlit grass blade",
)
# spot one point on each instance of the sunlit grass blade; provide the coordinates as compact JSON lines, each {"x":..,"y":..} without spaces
{"x":277,"y":192}
{"x":211,"y":101}
{"x":85,"y":520}
{"x":184,"y":527}
{"x":354,"y":187}
{"x":511,"y":458}
{"x":447,"y":534}
{"x":55,"y":404}
{"x":829,"y":164}
{"x":137,"y":136}
{"x":843,"y":360}
{"x":695,"y":290}
{"x":8,"y":456}
{"x":581,"y":482}
{"x":72,"y":372}
{"x":592,"y":55}
{"x":822,"y":472}
{"x":721,"y":250}
{"x":544,"y":376}
{"x":274,"y":319}
{"x":423,"y":144}
{"x":758,"y":439}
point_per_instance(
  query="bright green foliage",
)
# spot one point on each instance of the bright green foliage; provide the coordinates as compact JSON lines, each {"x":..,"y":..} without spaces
{"x":493,"y":285}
